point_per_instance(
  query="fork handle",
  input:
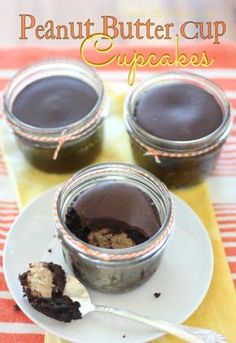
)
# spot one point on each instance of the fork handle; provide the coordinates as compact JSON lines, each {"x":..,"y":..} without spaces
{"x":180,"y":331}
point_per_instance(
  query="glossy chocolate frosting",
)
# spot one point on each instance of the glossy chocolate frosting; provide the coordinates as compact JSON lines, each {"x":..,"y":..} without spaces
{"x":178,"y":111}
{"x":114,"y":208}
{"x":54,"y":101}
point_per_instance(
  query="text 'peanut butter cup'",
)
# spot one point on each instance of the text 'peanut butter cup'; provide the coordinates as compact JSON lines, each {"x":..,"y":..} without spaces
{"x":113,"y":214}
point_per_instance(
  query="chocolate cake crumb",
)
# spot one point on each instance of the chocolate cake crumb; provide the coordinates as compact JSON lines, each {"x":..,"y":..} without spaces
{"x":156,"y":294}
{"x":16,"y":307}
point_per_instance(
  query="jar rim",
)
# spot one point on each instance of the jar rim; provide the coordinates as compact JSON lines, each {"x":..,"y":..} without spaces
{"x":63,"y":66}
{"x":102,"y":170}
{"x":143,"y":135}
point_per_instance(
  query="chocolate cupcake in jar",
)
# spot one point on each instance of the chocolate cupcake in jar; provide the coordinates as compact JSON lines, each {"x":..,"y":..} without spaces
{"x":177,"y":123}
{"x":113,"y":222}
{"x":56,"y":109}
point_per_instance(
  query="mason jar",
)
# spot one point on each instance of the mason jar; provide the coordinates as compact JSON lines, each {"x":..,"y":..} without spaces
{"x":58,"y":149}
{"x":114,"y":270}
{"x":177,"y":163}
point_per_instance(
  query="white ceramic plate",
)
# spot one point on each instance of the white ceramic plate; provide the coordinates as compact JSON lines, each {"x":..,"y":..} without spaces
{"x":183,"y":277}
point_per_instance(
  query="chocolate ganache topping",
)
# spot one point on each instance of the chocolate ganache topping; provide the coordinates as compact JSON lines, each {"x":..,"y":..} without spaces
{"x":113,"y":214}
{"x":178,"y":111}
{"x":54,"y":101}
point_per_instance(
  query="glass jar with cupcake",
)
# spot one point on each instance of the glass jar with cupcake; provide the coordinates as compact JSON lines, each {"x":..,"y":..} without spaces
{"x":113,"y":222}
{"x":56,"y":109}
{"x":177,"y":124}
